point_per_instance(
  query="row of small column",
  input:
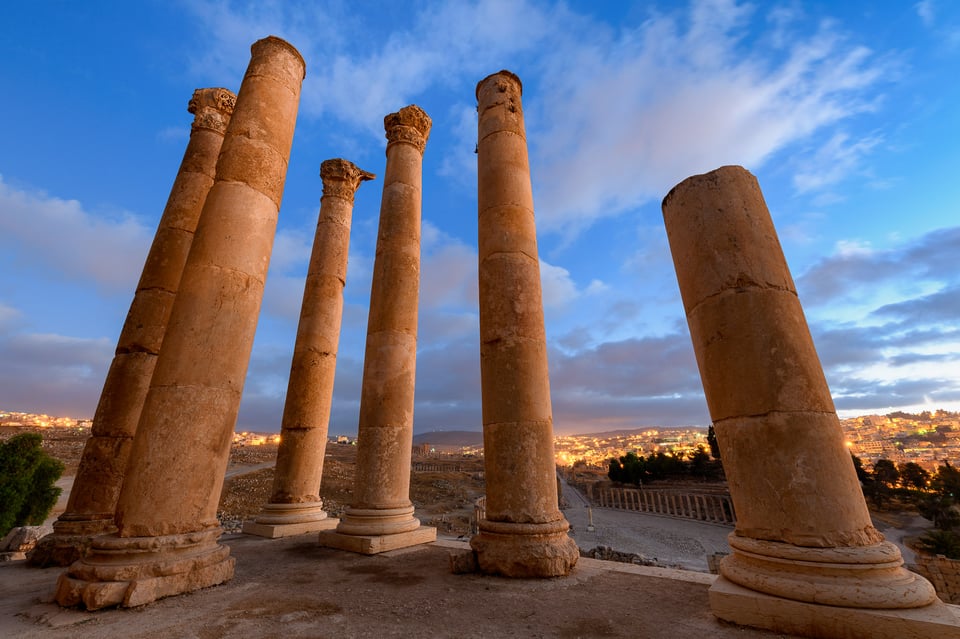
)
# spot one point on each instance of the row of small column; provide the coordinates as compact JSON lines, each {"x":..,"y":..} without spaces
{"x":699,"y":506}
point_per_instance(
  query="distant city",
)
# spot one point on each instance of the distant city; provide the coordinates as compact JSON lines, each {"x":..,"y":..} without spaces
{"x":928,"y":438}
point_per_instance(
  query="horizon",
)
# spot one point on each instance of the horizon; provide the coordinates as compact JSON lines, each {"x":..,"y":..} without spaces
{"x":844,"y":113}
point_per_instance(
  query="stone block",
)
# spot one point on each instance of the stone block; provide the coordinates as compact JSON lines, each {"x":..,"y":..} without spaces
{"x":375,"y":544}
{"x":745,"y":607}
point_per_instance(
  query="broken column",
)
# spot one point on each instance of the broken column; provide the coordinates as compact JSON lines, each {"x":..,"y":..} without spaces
{"x":295,"y":507}
{"x":167,"y":529}
{"x":806,"y":559}
{"x":380,"y":516}
{"x":524,"y":533}
{"x":96,"y":487}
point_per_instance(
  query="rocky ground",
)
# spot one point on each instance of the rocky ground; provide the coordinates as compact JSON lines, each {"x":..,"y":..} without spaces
{"x":442,"y":499}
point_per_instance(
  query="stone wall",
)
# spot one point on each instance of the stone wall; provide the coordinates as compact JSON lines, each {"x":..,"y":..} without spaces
{"x":943,"y":573}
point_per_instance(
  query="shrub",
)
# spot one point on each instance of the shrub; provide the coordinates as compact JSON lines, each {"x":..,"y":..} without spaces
{"x":27,"y":478}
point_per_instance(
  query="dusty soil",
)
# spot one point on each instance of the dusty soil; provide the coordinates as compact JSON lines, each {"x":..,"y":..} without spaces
{"x":442,"y":499}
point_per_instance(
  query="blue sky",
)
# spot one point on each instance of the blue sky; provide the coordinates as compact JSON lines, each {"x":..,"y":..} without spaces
{"x":848,"y":114}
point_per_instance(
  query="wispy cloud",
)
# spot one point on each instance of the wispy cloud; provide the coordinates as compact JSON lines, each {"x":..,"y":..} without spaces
{"x":47,"y":233}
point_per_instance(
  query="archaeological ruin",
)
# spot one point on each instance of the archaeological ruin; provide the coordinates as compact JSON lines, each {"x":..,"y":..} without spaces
{"x":295,"y":507}
{"x":806,"y":558}
{"x":524,"y":533}
{"x":142,"y":523}
{"x":96,"y":487}
{"x":380,"y":517}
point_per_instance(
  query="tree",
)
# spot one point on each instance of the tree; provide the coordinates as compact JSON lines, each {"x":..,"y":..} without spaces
{"x":886,"y":473}
{"x":27,"y":482}
{"x":713,"y":443}
{"x":912,"y":475}
{"x":862,"y":473}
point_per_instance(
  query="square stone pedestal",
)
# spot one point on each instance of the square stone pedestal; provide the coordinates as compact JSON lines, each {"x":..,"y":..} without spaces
{"x":374,"y":544}
{"x":275,"y":531}
{"x":746,"y":607}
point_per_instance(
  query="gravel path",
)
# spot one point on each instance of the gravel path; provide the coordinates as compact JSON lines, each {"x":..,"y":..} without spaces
{"x":669,"y":541}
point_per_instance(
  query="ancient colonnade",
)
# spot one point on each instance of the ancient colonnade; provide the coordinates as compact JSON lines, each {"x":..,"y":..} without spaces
{"x":96,"y":487}
{"x":295,"y":506}
{"x":712,"y":508}
{"x":806,"y":558}
{"x":167,"y":534}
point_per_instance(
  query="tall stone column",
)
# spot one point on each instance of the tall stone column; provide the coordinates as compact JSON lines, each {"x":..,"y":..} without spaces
{"x":96,"y":487}
{"x":167,"y":529}
{"x":524,"y":533}
{"x":380,"y":517}
{"x":806,"y":558}
{"x":295,"y":507}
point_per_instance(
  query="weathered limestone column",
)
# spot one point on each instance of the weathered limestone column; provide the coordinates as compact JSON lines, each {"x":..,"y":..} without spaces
{"x":295,"y":507}
{"x":380,"y":517}
{"x":93,"y":499}
{"x":524,"y":534}
{"x":167,"y":529}
{"x":806,"y":559}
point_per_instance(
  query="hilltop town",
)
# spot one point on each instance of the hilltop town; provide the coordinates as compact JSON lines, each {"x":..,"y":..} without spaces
{"x":928,"y":438}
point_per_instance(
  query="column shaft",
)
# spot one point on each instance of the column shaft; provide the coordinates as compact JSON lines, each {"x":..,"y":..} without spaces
{"x":295,"y":506}
{"x":96,"y":487}
{"x":167,"y":530}
{"x":525,"y":534}
{"x":380,"y":516}
{"x":803,"y":531}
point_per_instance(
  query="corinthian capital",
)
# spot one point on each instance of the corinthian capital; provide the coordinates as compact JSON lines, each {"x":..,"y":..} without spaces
{"x":410,"y":125}
{"x":212,"y":109}
{"x":341,"y":178}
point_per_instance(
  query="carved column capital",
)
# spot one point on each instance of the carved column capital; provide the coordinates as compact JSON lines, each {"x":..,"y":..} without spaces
{"x":212,"y":109}
{"x":341,"y":178}
{"x":411,"y":125}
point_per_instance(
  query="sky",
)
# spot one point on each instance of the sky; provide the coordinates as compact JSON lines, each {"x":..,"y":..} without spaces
{"x":847,"y":113}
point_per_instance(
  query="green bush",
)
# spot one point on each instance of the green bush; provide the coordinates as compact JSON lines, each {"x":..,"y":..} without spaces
{"x":941,"y":542}
{"x":27,"y":482}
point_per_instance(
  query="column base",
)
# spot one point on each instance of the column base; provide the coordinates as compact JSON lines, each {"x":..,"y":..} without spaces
{"x":133,"y":571}
{"x":746,"y":607}
{"x":374,"y":544}
{"x":286,"y":520}
{"x":525,"y":550}
{"x":70,"y":540}
{"x":850,"y":576}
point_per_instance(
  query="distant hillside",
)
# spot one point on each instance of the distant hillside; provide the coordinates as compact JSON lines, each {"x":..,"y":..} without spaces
{"x":637,"y":431}
{"x":450,"y":438}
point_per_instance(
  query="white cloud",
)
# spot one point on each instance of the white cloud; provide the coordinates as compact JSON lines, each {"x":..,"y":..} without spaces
{"x":925,"y":10}
{"x":49,"y":233}
{"x":838,"y":158}
{"x":559,"y":289}
{"x":627,"y":117}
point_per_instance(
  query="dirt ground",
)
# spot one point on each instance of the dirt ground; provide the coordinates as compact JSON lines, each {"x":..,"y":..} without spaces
{"x":441,"y":499}
{"x":291,"y":588}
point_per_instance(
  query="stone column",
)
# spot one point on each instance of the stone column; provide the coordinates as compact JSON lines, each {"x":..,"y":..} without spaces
{"x":93,"y":498}
{"x":806,"y":558}
{"x":525,"y":534}
{"x":295,"y":507}
{"x":380,"y":517}
{"x":167,"y":529}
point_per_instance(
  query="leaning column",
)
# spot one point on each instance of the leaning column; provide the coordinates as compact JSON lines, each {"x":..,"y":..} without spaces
{"x":806,"y":559}
{"x":96,"y":486}
{"x":524,"y":533}
{"x":295,"y":507}
{"x":380,"y":517}
{"x":167,"y":529}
